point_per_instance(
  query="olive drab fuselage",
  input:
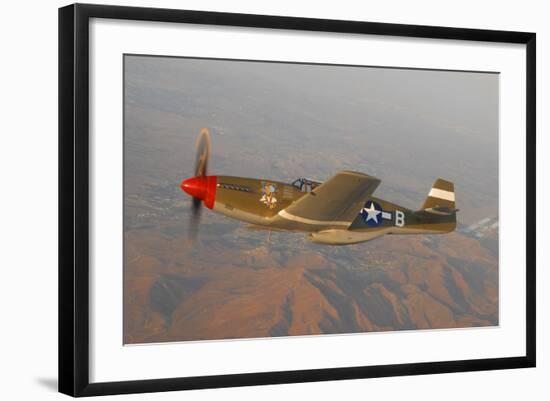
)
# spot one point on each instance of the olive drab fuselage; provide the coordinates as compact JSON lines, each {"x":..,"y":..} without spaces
{"x":340,"y":211}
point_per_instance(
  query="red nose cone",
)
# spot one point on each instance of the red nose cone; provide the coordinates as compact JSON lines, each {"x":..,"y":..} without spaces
{"x":195,"y":187}
{"x":203,"y":188}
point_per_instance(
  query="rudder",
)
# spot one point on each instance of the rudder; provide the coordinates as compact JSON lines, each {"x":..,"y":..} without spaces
{"x":441,"y":196}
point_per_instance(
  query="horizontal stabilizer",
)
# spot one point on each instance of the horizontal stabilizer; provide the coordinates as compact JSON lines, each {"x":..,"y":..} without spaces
{"x":444,"y":211}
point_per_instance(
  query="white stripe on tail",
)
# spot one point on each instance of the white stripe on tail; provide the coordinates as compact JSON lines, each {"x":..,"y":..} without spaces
{"x":442,"y":195}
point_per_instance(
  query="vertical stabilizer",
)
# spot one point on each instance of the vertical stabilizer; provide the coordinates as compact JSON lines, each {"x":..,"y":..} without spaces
{"x":441,"y":196}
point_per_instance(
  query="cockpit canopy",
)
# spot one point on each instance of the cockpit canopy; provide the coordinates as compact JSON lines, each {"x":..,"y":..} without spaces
{"x":305,"y":185}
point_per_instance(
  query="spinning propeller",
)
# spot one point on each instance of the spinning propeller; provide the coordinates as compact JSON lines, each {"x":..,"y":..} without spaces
{"x":201,"y":187}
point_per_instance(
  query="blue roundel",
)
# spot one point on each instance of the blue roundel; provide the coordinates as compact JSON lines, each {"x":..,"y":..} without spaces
{"x":372,"y":214}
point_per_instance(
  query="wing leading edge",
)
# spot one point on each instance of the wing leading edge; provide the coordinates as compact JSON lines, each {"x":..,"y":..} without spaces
{"x":336,"y":202}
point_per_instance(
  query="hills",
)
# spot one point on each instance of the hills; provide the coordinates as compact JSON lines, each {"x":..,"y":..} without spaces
{"x":277,"y":289}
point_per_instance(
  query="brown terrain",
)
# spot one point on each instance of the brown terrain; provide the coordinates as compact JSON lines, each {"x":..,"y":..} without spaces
{"x":244,"y":286}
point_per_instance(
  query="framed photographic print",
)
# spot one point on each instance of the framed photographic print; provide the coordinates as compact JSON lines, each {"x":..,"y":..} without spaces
{"x":249,"y":199}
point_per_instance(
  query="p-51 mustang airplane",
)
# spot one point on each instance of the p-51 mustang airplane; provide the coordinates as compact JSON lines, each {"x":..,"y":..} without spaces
{"x":339,"y":211}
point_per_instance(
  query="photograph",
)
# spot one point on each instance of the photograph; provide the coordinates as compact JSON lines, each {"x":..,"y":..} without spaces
{"x":273,"y":199}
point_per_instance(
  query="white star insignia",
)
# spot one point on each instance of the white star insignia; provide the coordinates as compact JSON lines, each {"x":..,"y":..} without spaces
{"x":372,"y":213}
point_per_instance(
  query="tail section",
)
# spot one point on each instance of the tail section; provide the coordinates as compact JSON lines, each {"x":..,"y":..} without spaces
{"x":441,"y":197}
{"x":438,"y":213}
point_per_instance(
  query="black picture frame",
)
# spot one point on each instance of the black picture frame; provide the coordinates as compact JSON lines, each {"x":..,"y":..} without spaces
{"x":74,"y":197}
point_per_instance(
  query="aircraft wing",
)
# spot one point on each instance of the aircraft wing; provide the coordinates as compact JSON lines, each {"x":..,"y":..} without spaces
{"x":335,"y":202}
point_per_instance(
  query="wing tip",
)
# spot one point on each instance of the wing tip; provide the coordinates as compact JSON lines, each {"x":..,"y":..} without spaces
{"x":357,"y":174}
